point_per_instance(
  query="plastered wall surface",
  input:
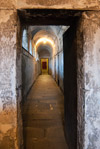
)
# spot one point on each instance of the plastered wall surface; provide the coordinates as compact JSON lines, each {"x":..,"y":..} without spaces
{"x":56,"y":61}
{"x":8,"y":107}
{"x":30,"y":72}
{"x":91,"y":49}
{"x":88,"y":81}
{"x":60,"y":56}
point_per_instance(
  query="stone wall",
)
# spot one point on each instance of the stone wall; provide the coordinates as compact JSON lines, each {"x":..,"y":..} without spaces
{"x":91,"y":50}
{"x":30,"y":71}
{"x":57,"y":4}
{"x":8,"y":4}
{"x":89,"y":81}
{"x":80,"y":87}
{"x":8,"y":105}
{"x":19,"y":84}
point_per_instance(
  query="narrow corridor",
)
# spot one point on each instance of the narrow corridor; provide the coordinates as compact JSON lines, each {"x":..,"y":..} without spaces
{"x":43,"y":116}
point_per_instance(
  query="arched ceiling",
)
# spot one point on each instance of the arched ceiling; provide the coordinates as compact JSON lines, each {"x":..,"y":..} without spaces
{"x":47,"y":48}
{"x":44,"y":33}
{"x":50,"y":29}
{"x":44,"y":53}
{"x":44,"y":37}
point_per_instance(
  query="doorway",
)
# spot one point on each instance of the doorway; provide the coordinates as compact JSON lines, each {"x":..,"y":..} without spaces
{"x":44,"y":66}
{"x":65,"y":18}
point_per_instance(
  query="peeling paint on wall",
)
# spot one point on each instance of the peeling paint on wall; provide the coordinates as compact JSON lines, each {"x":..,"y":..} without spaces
{"x":92,"y":70}
{"x":8,"y":111}
{"x":89,"y":90}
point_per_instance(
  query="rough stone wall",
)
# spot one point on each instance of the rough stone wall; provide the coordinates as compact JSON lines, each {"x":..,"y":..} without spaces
{"x":19,"y":84}
{"x":8,"y":4}
{"x":8,"y":105}
{"x":80,"y":86}
{"x":88,"y":38}
{"x":91,"y":49}
{"x":58,"y":4}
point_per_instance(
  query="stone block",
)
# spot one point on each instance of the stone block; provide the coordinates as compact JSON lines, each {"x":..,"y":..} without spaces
{"x":8,"y":4}
{"x":57,"y":4}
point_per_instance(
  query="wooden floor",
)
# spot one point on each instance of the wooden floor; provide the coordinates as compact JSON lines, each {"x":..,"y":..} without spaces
{"x":43,"y":115}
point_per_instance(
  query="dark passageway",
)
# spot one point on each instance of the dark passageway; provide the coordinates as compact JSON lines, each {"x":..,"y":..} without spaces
{"x":43,"y":116}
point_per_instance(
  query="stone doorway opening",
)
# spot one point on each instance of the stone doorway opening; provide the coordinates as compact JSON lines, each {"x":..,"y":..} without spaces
{"x":63,"y":66}
{"x":44,"y":66}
